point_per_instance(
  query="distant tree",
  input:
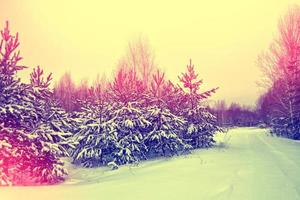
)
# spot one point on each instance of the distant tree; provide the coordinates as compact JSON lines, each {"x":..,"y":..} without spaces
{"x":64,"y":91}
{"x":139,"y":59}
{"x":234,"y":111}
{"x":281,"y":67}
{"x":99,"y":88}
{"x":265,"y":106}
{"x":82,"y":90}
{"x":220,"y":108}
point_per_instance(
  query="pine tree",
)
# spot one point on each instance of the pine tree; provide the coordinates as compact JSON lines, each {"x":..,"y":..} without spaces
{"x":15,"y":97}
{"x":164,"y":136}
{"x":54,"y":125}
{"x":201,"y":124}
{"x":113,"y":129}
{"x":131,"y":126}
{"x":23,"y":153}
{"x":24,"y":159}
{"x":97,"y":142}
{"x":126,"y":87}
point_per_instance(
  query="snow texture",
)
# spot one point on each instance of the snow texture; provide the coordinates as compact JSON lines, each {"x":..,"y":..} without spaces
{"x":251,"y":165}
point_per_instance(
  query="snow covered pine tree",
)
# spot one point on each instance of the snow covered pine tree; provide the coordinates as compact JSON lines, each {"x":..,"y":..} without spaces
{"x":26,"y":160}
{"x":96,"y":137}
{"x":32,"y":160}
{"x":128,"y":92}
{"x":164,"y":136}
{"x":201,"y":124}
{"x":54,"y":125}
{"x":131,"y":125}
{"x":112,"y":132}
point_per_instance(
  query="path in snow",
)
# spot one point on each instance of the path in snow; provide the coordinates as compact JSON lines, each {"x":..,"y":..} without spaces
{"x":252,"y":166}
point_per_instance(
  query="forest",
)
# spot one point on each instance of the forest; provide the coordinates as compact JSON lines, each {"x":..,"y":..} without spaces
{"x":137,"y":115}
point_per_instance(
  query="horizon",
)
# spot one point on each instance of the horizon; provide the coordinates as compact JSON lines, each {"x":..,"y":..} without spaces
{"x":87,"y":39}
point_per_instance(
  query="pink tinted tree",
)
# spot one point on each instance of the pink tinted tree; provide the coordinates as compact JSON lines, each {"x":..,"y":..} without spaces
{"x":64,"y":91}
{"x":201,"y":123}
{"x":9,"y":56}
{"x":24,"y":157}
{"x":37,"y":78}
{"x":127,"y":87}
{"x":140,"y":59}
{"x":192,"y":84}
{"x":281,"y":67}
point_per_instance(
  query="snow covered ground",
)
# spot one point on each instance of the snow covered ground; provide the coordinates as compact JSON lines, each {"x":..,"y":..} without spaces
{"x":246,"y":164}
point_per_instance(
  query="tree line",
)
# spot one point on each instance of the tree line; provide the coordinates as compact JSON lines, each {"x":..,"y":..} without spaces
{"x":138,"y":115}
{"x":279,"y":107}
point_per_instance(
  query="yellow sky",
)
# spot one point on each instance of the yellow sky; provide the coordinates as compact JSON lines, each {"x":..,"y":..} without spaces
{"x":88,"y":37}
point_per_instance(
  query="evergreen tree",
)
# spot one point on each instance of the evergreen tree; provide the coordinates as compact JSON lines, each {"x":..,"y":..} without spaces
{"x":54,"y":125}
{"x":97,"y":142}
{"x":24,"y":159}
{"x":16,"y":99}
{"x":201,"y":124}
{"x":97,"y":136}
{"x":164,"y":137}
{"x":23,"y":153}
{"x":126,"y":87}
{"x":131,"y":126}
{"x":112,"y":133}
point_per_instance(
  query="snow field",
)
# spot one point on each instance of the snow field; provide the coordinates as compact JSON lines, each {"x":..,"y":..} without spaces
{"x":251,"y":165}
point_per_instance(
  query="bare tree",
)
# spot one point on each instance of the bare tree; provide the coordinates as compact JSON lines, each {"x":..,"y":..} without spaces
{"x":82,"y":90}
{"x":140,"y":59}
{"x":64,"y":91}
{"x":220,"y":107}
{"x":281,"y":66}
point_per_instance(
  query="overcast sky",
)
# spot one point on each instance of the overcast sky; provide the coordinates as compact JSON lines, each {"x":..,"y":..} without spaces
{"x":223,"y":38}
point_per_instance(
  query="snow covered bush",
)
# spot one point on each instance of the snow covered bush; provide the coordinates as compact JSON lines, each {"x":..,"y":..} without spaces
{"x":112,"y":131}
{"x":96,"y":137}
{"x":286,"y":127}
{"x":96,"y":143}
{"x":56,"y":127}
{"x":111,"y":136}
{"x":131,"y":126}
{"x":164,"y":138}
{"x":16,"y":105}
{"x":201,"y":127}
{"x":25,"y":160}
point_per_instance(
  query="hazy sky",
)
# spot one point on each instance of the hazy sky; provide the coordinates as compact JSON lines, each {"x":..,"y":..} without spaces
{"x":88,"y":37}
